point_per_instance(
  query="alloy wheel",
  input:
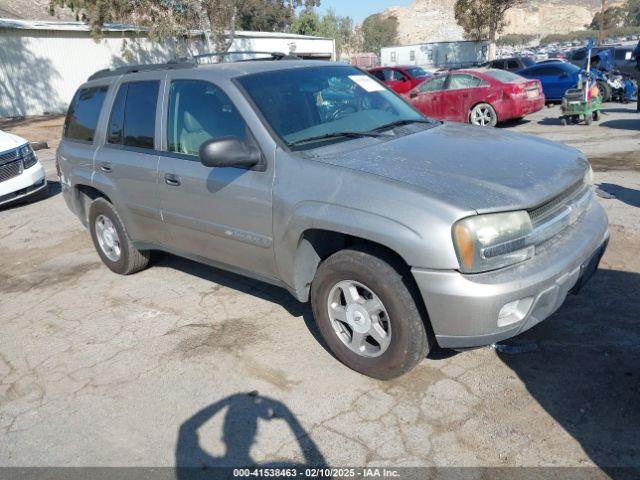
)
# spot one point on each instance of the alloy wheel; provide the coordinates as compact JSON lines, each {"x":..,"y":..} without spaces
{"x":108,"y":238}
{"x":359,"y":318}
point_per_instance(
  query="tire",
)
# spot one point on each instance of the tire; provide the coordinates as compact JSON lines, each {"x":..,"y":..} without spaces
{"x":563,"y":121}
{"x":483,"y":115}
{"x":125,"y":259}
{"x":375,"y":273}
{"x":605,"y":91}
{"x":588,"y":119}
{"x":596,"y":115}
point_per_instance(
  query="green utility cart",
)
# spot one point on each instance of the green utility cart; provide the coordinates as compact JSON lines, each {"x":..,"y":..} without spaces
{"x":575,"y":107}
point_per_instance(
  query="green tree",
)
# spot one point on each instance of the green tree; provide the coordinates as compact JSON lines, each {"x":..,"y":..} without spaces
{"x":632,"y":9}
{"x":379,"y":31}
{"x":336,"y":27}
{"x":270,"y":15}
{"x":306,"y":23}
{"x":483,"y":19}
{"x":219,"y":19}
{"x":614,"y":17}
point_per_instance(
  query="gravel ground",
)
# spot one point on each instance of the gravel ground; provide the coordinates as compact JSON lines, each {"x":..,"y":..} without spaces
{"x":185,"y":364}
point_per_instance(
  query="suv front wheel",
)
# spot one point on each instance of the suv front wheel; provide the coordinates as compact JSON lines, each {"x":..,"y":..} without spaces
{"x":111,"y":240}
{"x":367,"y":315}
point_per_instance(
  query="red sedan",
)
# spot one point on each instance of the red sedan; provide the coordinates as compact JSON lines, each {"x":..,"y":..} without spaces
{"x":400,"y":79}
{"x":479,"y":97}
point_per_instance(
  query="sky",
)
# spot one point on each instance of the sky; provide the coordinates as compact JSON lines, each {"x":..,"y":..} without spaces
{"x":359,"y":9}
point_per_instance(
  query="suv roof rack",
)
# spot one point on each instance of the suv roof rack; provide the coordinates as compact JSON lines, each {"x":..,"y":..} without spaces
{"x":188,"y":63}
{"x":273,"y":55}
{"x":110,"y":72}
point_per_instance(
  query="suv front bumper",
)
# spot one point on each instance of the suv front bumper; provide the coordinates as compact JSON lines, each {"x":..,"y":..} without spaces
{"x":30,"y":182}
{"x":464,"y":309}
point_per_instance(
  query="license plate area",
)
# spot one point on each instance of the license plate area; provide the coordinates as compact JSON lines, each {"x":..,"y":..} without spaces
{"x":588,"y":268}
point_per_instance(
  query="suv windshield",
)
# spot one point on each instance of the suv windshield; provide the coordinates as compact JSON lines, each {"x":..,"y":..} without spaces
{"x":320,"y":103}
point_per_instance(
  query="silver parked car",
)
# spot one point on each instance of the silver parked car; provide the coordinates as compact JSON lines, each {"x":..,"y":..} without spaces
{"x":401,"y":231}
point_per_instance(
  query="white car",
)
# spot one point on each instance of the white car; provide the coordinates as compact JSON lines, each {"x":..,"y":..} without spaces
{"x":21,"y":173}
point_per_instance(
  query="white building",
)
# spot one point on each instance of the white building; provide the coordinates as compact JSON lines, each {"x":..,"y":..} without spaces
{"x":437,"y":55}
{"x":42,"y":63}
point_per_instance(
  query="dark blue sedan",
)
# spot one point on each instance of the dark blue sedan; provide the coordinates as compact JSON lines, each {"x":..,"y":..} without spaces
{"x":556,"y":78}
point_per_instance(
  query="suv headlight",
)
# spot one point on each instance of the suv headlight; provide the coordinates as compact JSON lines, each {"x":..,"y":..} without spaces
{"x":588,"y":177}
{"x":492,"y":241}
{"x":28,"y":156}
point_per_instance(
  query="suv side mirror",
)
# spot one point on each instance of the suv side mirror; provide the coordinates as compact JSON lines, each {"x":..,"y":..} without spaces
{"x":228,"y":152}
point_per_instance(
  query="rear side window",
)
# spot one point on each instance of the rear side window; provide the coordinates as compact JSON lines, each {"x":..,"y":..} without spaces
{"x":84,"y":111}
{"x":463,"y":80}
{"x":133,"y":116}
{"x":436,"y":83}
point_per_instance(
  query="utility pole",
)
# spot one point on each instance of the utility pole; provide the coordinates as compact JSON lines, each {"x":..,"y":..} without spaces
{"x":601,"y":32}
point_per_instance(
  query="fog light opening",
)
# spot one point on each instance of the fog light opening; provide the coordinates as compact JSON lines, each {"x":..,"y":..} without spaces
{"x":514,"y":312}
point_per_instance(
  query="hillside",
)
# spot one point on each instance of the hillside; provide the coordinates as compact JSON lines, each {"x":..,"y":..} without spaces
{"x":433,"y":20}
{"x":32,"y":10}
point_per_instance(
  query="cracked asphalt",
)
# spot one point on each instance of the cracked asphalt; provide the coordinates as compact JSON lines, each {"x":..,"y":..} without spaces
{"x":183,"y":364}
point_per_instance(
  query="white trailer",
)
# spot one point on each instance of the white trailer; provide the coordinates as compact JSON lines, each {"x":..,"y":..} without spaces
{"x":42,"y":63}
{"x":437,"y":55}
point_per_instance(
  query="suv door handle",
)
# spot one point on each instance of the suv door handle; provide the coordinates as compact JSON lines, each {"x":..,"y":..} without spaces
{"x":106,"y":167}
{"x":171,"y":179}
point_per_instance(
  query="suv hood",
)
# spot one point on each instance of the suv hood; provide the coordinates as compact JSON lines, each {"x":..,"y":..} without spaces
{"x":472,"y":168}
{"x":9,"y":141}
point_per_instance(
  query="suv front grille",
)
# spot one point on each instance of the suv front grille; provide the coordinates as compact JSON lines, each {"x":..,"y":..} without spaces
{"x":12,"y":163}
{"x":539,"y":214}
{"x":9,"y":156}
{"x":10,"y":170}
{"x":562,"y":211}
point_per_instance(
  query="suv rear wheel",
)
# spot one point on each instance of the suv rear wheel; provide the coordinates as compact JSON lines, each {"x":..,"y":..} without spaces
{"x":367,"y":315}
{"x":111,"y":240}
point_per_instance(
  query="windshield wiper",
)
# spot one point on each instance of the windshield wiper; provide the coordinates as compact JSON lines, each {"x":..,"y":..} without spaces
{"x":399,"y":123}
{"x":329,"y":136}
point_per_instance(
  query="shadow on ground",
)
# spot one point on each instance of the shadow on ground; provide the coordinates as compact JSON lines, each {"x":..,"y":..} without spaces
{"x":622,"y":124}
{"x":585,"y":371}
{"x":550,"y":121}
{"x":246,"y":285}
{"x":630,"y":196}
{"x":630,"y":109}
{"x":513,"y":123}
{"x":264,"y":291}
{"x":242,"y":414}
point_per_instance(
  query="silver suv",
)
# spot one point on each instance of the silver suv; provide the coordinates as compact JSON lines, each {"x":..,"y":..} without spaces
{"x":401,"y":231}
